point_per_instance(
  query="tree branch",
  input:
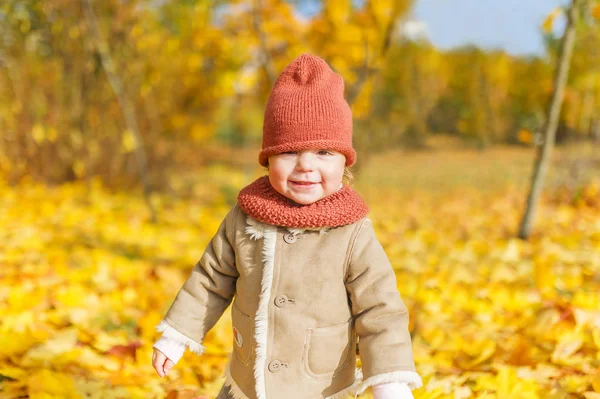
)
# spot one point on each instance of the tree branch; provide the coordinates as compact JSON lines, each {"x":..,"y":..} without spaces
{"x":126,"y":106}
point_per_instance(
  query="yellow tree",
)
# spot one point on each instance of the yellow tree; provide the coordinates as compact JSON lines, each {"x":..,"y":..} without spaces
{"x":481,"y":86}
{"x":414,"y":78}
{"x":62,"y":118}
{"x":356,"y":41}
{"x":467,"y":86}
{"x":264,"y":35}
{"x":497,"y":80}
{"x":529,"y":93}
{"x":581,"y":107}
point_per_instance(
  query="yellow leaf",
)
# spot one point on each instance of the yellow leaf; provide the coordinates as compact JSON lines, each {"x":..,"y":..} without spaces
{"x":136,"y":31}
{"x":479,"y":350}
{"x":194,"y":61}
{"x":52,"y":134}
{"x":178,"y":120}
{"x":596,"y":338}
{"x":57,"y":27}
{"x":78,"y":168}
{"x":585,"y":317}
{"x":506,"y":380}
{"x":14,"y":344}
{"x":567,"y":346}
{"x":88,"y":358}
{"x":596,"y":11}
{"x":128,"y":141}
{"x":145,"y":88}
{"x":463,"y":392}
{"x":544,"y":277}
{"x":575,"y":383}
{"x":596,"y":383}
{"x":172,"y":45}
{"x":38,"y":133}
{"x":25,"y":26}
{"x":549,"y":21}
{"x":74,"y":32}
{"x":73,"y":295}
{"x":525,"y":136}
{"x":200,"y":132}
{"x":104,"y":341}
{"x":12,"y":372}
{"x":62,"y":342}
{"x":46,"y":384}
{"x":76,"y":139}
{"x":337,"y":11}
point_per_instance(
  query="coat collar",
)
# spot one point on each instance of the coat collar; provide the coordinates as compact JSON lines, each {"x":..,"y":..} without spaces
{"x":257,"y":229}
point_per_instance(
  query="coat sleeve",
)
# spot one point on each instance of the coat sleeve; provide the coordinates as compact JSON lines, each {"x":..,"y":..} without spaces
{"x":207,"y":292}
{"x":380,"y":315}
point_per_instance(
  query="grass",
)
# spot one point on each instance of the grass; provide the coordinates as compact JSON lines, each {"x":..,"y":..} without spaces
{"x":447,"y":169}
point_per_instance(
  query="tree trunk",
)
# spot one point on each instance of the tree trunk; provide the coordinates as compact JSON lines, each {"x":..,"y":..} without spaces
{"x":544,"y":152}
{"x":126,"y":106}
{"x":367,"y":72}
{"x":595,"y":130}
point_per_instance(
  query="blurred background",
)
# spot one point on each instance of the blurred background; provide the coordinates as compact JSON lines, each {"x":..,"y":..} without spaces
{"x":128,"y":127}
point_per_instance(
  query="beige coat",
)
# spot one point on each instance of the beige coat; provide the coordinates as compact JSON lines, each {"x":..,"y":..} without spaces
{"x":302,"y":300}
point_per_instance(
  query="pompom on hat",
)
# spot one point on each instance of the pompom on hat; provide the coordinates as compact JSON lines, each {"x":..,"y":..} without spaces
{"x":307,"y":109}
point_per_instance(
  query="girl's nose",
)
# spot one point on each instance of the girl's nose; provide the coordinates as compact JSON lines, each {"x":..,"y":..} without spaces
{"x":305,"y":161}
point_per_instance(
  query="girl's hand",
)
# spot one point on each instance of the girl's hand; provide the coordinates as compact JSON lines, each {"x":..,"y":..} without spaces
{"x":161,"y":363}
{"x":393,"y":390}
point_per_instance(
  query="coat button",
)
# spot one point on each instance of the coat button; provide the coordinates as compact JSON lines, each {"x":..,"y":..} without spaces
{"x":274,"y":366}
{"x":281,"y":300}
{"x":290,"y":238}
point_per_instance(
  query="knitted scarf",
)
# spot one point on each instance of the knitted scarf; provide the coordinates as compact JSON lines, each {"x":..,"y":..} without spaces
{"x":262,"y":202}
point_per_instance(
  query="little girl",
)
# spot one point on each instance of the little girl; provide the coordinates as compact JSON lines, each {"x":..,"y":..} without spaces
{"x":300,"y":256}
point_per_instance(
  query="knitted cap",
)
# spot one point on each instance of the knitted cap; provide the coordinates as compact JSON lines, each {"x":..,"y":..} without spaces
{"x":307,"y":109}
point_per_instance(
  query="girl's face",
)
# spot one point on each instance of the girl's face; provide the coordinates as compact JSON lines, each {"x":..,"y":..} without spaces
{"x":306,"y":176}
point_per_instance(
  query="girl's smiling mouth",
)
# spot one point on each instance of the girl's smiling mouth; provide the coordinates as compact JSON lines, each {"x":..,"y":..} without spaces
{"x":303,"y":184}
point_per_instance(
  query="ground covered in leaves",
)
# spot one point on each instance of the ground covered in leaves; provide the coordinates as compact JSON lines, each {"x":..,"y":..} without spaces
{"x":85,"y":278}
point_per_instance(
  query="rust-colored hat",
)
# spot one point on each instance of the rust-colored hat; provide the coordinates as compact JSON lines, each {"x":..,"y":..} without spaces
{"x":306,"y":110}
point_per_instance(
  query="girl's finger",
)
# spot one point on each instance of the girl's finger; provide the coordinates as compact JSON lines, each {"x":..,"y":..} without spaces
{"x":169,"y":365}
{"x":159,"y":363}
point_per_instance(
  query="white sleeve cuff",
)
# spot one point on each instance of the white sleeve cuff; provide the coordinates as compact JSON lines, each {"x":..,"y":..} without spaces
{"x":174,"y":335}
{"x":410,"y":378}
{"x":392,"y":390}
{"x":172,"y":349}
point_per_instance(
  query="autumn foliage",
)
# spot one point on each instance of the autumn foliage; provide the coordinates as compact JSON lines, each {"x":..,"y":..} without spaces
{"x":198,"y":73}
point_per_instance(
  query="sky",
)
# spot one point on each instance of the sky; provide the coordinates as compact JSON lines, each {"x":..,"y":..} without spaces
{"x":512,"y":25}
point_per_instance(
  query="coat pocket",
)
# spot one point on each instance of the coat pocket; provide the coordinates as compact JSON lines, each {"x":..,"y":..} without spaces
{"x":243,"y":334}
{"x":327,"y":350}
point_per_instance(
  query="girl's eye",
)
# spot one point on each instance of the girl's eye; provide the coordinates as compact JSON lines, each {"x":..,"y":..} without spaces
{"x":324,"y":152}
